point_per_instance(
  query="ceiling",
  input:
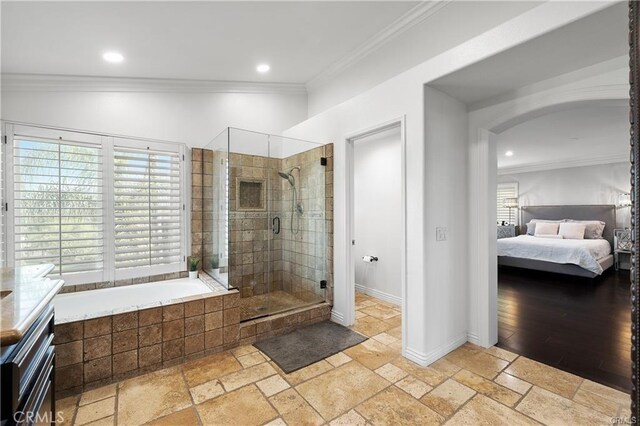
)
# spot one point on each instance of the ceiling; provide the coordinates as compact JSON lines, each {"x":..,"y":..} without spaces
{"x":584,"y":135}
{"x":592,"y":40}
{"x":189,"y":40}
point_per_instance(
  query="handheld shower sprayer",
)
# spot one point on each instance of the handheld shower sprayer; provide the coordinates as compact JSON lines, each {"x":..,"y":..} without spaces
{"x":295,"y":206}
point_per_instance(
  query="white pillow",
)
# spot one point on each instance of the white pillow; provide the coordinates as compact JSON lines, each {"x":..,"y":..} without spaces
{"x":531,"y":226}
{"x":546,"y":228}
{"x":593,"y":229}
{"x":572,"y":231}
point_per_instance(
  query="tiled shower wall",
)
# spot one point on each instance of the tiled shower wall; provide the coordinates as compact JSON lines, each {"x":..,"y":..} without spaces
{"x":299,"y":261}
{"x":250,"y":231}
{"x":201,"y":199}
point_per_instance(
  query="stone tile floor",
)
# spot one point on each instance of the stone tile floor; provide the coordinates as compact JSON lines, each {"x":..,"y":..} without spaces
{"x":367,"y":384}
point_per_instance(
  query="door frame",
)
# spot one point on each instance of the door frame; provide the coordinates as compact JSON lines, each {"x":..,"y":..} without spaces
{"x":634,"y":118}
{"x":350,"y":140}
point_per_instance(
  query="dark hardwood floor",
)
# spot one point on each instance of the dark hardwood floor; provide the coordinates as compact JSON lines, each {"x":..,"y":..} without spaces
{"x":577,"y":325}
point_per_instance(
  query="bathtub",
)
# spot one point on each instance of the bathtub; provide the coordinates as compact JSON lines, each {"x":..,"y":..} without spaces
{"x":113,"y":333}
{"x":107,"y":301}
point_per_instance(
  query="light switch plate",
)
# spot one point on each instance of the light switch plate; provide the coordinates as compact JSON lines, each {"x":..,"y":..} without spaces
{"x":441,"y":234}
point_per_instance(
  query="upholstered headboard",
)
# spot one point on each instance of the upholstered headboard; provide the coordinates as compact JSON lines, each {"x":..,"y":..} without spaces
{"x":605,"y":213}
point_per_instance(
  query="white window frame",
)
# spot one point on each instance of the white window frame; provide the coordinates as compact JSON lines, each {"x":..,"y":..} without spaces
{"x":514,"y":187}
{"x":156,"y":269}
{"x":107,"y":143}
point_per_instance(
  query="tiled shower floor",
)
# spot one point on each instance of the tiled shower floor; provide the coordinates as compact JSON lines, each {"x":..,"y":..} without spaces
{"x":271,"y":303}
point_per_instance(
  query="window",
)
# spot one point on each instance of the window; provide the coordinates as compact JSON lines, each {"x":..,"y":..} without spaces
{"x":507,"y":190}
{"x":148,"y":210}
{"x":98,"y":208}
{"x":57,"y":206}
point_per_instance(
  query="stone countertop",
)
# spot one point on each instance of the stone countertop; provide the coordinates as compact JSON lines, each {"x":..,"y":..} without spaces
{"x":24,"y":293}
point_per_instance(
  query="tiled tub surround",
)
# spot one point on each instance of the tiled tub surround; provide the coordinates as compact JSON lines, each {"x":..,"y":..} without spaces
{"x":133,"y":341}
{"x":92,"y":304}
{"x":121,"y":283}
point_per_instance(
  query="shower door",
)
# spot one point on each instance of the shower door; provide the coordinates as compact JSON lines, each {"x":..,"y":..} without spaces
{"x":299,"y":250}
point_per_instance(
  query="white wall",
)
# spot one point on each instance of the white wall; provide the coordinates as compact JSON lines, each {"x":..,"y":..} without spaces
{"x":446,"y":207}
{"x":191,"y":118}
{"x":598,"y":184}
{"x":432,"y":196}
{"x":377,"y":214}
{"x":446,"y":26}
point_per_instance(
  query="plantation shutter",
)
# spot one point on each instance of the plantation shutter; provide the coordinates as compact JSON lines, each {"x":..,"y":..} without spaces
{"x":148,"y":209}
{"x":58,"y":205}
{"x":506,"y":190}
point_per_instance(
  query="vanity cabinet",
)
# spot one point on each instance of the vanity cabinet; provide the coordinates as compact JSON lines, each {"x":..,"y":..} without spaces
{"x":27,"y":376}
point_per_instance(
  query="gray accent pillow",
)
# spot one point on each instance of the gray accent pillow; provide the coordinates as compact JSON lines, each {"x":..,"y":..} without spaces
{"x":593,"y":229}
{"x":531,"y":228}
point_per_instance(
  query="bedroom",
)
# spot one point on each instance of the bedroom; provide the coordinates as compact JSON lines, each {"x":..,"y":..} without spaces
{"x":563,"y":220}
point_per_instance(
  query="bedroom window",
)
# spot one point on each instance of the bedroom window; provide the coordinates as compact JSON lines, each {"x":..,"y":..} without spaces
{"x":507,"y":190}
{"x":98,"y":208}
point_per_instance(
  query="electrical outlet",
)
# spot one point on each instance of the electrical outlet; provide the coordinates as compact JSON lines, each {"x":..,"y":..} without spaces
{"x":441,"y":234}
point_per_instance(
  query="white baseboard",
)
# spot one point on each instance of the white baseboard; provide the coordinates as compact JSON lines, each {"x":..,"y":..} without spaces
{"x":337,"y":317}
{"x":473,"y":338}
{"x":379,"y":294}
{"x":429,"y":358}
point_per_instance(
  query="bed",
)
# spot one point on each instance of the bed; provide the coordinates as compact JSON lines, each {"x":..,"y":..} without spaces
{"x":582,"y":258}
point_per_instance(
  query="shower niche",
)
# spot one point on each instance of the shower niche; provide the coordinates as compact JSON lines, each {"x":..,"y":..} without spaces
{"x":250,"y":194}
{"x":265,"y":225}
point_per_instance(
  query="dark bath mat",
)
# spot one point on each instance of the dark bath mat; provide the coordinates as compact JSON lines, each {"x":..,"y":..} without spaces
{"x":307,"y":345}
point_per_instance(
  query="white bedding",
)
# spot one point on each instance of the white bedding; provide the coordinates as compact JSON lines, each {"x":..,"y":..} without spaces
{"x":584,"y":253}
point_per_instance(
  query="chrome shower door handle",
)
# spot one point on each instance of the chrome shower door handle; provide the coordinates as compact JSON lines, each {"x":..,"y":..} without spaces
{"x":275,"y":225}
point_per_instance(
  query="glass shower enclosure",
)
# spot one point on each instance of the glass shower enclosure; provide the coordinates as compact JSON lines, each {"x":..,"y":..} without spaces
{"x":264,"y":227}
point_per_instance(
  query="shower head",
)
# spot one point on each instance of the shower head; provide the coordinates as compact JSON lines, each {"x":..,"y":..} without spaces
{"x":289,"y":176}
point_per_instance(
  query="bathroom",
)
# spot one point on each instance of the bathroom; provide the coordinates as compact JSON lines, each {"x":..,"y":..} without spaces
{"x":184,"y":182}
{"x":259,"y":240}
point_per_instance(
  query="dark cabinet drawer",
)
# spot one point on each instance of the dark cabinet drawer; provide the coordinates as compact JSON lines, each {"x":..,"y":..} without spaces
{"x":38,"y":407}
{"x":27,"y":369}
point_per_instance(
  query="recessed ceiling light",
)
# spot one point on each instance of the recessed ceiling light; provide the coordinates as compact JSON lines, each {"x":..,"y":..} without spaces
{"x":113,"y":57}
{"x":263,"y":68}
{"x":509,"y":153}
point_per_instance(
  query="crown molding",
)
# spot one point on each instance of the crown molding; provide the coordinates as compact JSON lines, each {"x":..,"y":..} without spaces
{"x":610,"y":67}
{"x":64,"y":83}
{"x":564,"y":164}
{"x":411,"y":18}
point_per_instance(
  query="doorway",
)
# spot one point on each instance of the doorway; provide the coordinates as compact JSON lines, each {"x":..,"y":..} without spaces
{"x":575,"y":318}
{"x":376,"y":230}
